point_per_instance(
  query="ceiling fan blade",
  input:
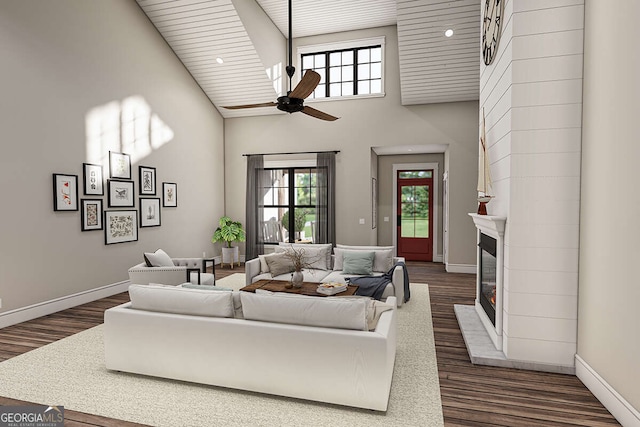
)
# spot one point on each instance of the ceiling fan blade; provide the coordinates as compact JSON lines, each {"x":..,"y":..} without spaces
{"x":306,"y":86}
{"x":264,"y":104}
{"x":309,"y":111}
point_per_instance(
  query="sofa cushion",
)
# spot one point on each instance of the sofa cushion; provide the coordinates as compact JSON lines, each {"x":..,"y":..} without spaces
{"x":365,"y":248}
{"x":204,"y":287}
{"x":158,"y":258}
{"x":357,"y":262}
{"x":264,"y":267}
{"x":374,"y":309}
{"x":306,"y":310}
{"x":382,"y":263}
{"x":326,"y":247}
{"x":315,"y":257}
{"x":178,"y":300}
{"x":279,"y":264}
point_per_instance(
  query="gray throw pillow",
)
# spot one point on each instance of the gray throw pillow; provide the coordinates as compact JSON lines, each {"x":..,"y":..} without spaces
{"x":158,"y":258}
{"x":355,"y":262}
{"x":279,"y":264}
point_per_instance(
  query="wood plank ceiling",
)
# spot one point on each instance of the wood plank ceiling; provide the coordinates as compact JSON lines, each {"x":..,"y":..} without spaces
{"x":433,"y":68}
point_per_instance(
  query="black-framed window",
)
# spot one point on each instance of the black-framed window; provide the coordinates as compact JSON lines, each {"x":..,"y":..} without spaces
{"x":290,"y":204}
{"x":346,"y":72}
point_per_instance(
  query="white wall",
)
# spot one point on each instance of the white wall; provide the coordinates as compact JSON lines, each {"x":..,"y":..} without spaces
{"x":532,"y":100}
{"x":365,"y":123}
{"x":70,"y":71}
{"x":608,"y":315}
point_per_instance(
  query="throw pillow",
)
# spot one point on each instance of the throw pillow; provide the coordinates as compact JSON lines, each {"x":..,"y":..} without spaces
{"x":158,"y":258}
{"x":314,"y":257}
{"x":264,"y":267}
{"x":326,"y":246}
{"x":383,"y":260}
{"x":279,"y":264}
{"x":356,"y":262}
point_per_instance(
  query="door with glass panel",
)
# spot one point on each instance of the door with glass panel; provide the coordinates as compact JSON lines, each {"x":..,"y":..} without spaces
{"x":415,"y":215}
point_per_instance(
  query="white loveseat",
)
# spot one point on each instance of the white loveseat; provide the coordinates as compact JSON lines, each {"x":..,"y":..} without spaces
{"x":331,"y":270}
{"x":172,"y":275}
{"x":196,"y":335}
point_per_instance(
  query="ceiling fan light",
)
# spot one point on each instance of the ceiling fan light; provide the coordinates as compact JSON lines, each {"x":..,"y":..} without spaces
{"x":448,"y":32}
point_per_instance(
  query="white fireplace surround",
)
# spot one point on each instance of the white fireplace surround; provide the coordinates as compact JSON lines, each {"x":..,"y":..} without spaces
{"x":492,"y":226}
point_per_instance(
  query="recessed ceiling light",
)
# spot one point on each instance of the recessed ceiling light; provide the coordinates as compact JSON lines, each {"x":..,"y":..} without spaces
{"x":448,"y":33}
{"x":219,"y":60}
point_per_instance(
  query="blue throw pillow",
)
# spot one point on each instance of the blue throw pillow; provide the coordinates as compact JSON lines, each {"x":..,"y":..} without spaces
{"x":355,"y":262}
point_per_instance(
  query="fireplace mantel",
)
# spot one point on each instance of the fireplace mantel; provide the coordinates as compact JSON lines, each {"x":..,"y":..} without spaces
{"x":490,"y":223}
{"x":493,"y":226}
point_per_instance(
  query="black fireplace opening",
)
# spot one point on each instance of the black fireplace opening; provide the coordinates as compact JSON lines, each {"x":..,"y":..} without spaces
{"x":487,"y":271}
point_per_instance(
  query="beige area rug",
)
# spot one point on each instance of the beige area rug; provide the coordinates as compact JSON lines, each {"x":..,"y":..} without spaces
{"x":71,"y":372}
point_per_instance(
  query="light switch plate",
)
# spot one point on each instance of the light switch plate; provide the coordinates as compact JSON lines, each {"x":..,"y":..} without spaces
{"x":361,"y":220}
{"x":0,"y":302}
{"x":386,"y":219}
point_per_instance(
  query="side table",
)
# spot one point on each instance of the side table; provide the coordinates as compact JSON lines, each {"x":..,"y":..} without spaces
{"x":206,"y":261}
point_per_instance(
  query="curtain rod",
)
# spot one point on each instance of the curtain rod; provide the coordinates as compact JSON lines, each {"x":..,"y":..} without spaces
{"x":297,"y":152}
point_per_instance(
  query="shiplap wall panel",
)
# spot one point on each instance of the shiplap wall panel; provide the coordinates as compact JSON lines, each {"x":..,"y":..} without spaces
{"x":312,"y":17}
{"x":434,"y":68}
{"x":199,"y":32}
{"x":532,"y":95}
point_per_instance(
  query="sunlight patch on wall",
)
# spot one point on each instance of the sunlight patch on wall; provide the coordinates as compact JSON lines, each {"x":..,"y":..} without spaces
{"x":128,"y":126}
{"x":275,"y":75}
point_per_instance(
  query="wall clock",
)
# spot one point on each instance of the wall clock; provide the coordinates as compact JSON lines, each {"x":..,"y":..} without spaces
{"x":491,"y":29}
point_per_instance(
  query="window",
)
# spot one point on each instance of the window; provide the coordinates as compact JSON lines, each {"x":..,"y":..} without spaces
{"x":289,"y":205}
{"x":346,"y":69}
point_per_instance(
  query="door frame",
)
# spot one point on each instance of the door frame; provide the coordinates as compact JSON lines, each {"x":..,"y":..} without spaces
{"x":436,"y":178}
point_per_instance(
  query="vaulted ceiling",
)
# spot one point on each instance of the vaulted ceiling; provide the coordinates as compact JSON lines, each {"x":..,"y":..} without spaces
{"x":250,"y":37}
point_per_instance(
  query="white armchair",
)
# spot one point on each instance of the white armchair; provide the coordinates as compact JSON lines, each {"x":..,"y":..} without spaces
{"x":184,"y":270}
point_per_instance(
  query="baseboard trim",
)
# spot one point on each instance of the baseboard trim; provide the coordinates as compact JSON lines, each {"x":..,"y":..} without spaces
{"x":622,"y":410}
{"x":460,"y":268}
{"x":45,"y":308}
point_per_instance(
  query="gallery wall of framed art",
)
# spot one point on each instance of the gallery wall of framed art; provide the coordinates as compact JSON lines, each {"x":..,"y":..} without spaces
{"x":120,"y":225}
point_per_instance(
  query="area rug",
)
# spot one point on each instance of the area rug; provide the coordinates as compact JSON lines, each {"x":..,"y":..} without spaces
{"x":71,"y":372}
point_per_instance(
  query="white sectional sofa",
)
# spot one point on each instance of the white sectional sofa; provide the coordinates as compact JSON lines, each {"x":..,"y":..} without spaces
{"x":311,"y":348}
{"x":328,"y":266}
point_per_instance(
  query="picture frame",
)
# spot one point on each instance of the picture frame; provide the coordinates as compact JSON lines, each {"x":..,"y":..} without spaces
{"x":65,"y":192}
{"x":91,"y":214}
{"x":374,"y":203}
{"x":93,"y":181}
{"x":169,"y":194}
{"x":147,"y":184}
{"x":119,"y":165}
{"x":150,"y":212}
{"x":120,"y":193}
{"x":120,"y":226}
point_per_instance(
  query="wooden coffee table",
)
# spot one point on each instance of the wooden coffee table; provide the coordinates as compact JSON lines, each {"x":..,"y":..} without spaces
{"x":308,"y":288}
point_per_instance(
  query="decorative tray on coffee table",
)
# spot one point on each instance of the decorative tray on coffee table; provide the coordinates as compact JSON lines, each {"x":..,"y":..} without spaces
{"x":308,"y":288}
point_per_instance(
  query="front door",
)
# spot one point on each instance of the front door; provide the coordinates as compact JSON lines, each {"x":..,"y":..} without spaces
{"x":415,"y":215}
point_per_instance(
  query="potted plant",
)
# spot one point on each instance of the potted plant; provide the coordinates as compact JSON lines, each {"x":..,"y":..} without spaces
{"x":299,"y":221}
{"x":229,"y":231}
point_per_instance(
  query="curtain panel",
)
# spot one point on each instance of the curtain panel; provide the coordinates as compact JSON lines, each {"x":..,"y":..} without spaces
{"x":256,"y":180}
{"x":325,"y":199}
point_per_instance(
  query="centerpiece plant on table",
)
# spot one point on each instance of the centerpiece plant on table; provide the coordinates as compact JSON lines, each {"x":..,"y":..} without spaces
{"x":300,"y":261}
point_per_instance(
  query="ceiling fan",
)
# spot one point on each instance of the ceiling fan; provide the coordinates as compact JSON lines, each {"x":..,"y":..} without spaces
{"x":293,"y":101}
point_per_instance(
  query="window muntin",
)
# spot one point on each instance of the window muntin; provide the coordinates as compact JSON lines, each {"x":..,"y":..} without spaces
{"x":346,"y":72}
{"x":289,"y":204}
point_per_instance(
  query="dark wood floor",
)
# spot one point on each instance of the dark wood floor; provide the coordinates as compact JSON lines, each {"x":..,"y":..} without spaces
{"x":471,"y":395}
